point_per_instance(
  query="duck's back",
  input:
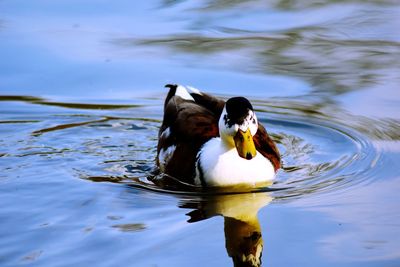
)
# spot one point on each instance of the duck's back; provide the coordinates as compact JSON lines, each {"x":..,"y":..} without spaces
{"x":189,"y":122}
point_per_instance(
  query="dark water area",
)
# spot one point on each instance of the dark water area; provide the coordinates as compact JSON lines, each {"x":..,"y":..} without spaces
{"x":81,"y":93}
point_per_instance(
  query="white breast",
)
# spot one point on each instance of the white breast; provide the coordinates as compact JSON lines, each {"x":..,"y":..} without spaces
{"x":222,"y":166}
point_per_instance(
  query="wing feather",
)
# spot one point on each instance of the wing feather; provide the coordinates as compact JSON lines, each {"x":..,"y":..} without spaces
{"x":267,"y":147}
{"x":189,"y":125}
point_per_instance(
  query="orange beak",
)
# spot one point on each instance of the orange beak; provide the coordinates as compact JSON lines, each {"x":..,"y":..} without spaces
{"x":245,"y":145}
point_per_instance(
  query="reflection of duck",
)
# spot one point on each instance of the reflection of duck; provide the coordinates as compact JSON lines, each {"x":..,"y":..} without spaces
{"x":243,"y":238}
{"x":208,"y":142}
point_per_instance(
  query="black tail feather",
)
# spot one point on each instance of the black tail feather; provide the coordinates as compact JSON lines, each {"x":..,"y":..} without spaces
{"x":171,"y":93}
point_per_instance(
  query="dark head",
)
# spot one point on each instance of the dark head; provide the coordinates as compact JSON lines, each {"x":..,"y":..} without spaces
{"x":237,"y":109}
{"x":237,"y":126}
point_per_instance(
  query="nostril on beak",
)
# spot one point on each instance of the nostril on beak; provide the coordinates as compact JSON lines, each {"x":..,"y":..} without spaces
{"x":249,"y":156}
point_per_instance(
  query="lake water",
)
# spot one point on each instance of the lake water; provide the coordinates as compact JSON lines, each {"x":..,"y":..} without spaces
{"x":81,"y":93}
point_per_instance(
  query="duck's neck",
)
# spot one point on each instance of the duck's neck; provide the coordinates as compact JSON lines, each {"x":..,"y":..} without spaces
{"x":227,"y":142}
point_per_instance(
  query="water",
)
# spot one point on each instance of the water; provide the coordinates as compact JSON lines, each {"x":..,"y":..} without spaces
{"x":81,"y":92}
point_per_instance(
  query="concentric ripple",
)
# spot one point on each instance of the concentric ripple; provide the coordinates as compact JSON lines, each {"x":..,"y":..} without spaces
{"x":320,"y":152}
{"x":320,"y":156}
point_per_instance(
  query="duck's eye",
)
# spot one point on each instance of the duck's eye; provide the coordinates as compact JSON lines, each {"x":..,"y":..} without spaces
{"x":226,"y":119}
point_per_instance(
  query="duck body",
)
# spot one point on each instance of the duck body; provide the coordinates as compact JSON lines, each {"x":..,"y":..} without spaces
{"x":220,"y":165}
{"x":206,"y":141}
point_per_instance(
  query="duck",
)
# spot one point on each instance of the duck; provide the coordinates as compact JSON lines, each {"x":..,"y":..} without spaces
{"x":243,"y":234}
{"x":208,"y":142}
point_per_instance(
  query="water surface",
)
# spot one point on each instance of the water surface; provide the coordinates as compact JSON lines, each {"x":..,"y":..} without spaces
{"x":81,"y":93}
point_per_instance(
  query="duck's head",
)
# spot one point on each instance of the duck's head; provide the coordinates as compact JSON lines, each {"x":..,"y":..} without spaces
{"x":237,"y":126}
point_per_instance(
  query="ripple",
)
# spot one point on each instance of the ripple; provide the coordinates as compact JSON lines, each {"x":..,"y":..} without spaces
{"x":319,"y":155}
{"x":41,"y":101}
{"x":322,"y":150}
{"x":130,"y":227}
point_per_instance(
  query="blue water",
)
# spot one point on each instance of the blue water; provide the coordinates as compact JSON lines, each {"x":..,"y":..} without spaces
{"x":81,"y":93}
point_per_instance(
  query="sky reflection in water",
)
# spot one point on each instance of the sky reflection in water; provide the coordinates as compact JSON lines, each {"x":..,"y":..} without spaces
{"x":87,"y":84}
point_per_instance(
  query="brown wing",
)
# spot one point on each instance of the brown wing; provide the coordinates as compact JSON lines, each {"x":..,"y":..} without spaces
{"x":211,"y":103}
{"x":267,"y":147}
{"x":190,"y":126}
